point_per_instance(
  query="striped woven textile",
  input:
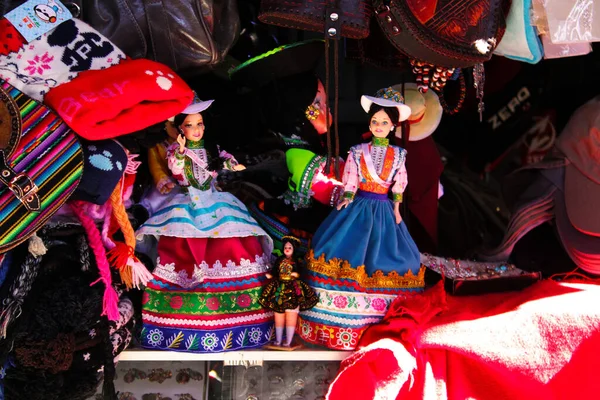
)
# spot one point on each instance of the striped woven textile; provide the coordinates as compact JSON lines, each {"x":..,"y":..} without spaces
{"x":49,"y":153}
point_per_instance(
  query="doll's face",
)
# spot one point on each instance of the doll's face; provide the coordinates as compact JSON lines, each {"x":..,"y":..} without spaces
{"x":193,"y":127}
{"x":320,"y":103}
{"x":381,"y":124}
{"x":288,"y":250}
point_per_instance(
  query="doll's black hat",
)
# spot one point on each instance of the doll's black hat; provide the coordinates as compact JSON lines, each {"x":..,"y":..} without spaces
{"x":281,"y":62}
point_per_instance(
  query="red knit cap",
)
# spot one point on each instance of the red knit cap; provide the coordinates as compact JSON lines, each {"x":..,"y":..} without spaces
{"x":122,"y":99}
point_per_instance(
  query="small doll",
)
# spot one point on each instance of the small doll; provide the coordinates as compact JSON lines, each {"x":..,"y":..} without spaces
{"x":157,"y":160}
{"x":286,"y":294}
{"x":363,"y":247}
{"x":212,"y":255}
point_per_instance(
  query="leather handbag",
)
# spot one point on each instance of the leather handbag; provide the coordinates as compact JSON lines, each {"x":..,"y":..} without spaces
{"x":352,"y":15}
{"x":445,"y":33}
{"x":41,"y":164}
{"x":189,"y":36}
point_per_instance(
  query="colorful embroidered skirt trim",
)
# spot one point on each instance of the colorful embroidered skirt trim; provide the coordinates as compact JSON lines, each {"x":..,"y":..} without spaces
{"x":207,"y":341}
{"x":333,"y":337}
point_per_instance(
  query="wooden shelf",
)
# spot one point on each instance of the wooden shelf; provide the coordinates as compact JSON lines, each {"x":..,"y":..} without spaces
{"x":241,"y":356}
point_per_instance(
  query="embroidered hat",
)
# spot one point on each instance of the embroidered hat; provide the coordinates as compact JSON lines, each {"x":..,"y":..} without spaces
{"x":387,"y":97}
{"x":426,"y":111}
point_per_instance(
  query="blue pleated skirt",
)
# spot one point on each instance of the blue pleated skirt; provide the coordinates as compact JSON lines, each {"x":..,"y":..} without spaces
{"x":366,"y":233}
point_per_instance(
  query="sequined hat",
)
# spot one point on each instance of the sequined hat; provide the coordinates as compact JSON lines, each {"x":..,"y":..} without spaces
{"x":387,"y":97}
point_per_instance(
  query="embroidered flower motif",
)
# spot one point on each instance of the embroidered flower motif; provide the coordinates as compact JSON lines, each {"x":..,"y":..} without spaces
{"x":92,"y":333}
{"x":87,"y":356}
{"x":346,"y":338}
{"x":306,"y":329}
{"x":255,"y":335}
{"x":379,"y":304}
{"x":145,"y":298}
{"x":209,"y":341}
{"x":244,"y":300}
{"x":155,"y":337}
{"x":38,"y":64}
{"x":340,"y":301}
{"x":176,"y":302}
{"x":212,"y":303}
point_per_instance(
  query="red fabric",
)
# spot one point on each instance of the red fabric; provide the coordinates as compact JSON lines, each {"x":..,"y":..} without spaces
{"x":324,"y":184}
{"x":11,"y":40}
{"x":186,"y":253}
{"x":122,"y":99}
{"x":541,"y":343}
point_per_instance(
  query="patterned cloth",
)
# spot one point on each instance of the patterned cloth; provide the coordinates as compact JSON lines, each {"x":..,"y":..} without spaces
{"x":212,"y":259}
{"x":361,"y":259}
{"x":57,"y":57}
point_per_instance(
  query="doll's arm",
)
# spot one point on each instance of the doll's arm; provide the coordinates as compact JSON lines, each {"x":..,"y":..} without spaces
{"x":175,"y":159}
{"x":157,"y":164}
{"x":400,"y":182}
{"x":230,"y":162}
{"x":350,"y":178}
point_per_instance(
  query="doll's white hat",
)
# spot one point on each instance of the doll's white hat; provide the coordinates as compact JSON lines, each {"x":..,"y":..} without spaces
{"x":197,"y":106}
{"x":426,"y":111}
{"x":387,"y":97}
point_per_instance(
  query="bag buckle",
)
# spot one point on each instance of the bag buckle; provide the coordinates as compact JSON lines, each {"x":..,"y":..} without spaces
{"x":26,"y":191}
{"x":20,"y":184}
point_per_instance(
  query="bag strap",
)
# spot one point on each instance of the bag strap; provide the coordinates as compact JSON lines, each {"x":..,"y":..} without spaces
{"x":20,"y":184}
{"x":333,"y":31}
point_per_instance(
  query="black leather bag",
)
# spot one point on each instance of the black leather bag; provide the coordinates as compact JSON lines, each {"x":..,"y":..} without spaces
{"x":190,"y":36}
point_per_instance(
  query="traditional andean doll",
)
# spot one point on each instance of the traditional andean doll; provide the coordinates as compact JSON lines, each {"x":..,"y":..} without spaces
{"x":286,"y":294}
{"x":212,"y":256}
{"x":362,"y":255}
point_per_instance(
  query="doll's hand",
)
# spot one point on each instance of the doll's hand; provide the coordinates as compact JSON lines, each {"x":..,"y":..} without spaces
{"x":268,"y":275}
{"x":295,"y":275}
{"x":181,"y":140}
{"x":343,"y":203}
{"x":165,"y":185}
{"x":397,"y":215}
{"x":239,"y":167}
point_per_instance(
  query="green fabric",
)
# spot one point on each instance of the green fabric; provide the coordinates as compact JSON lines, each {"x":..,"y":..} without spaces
{"x":173,"y":302}
{"x":297,"y":160}
{"x":194,"y":144}
{"x":377,"y":141}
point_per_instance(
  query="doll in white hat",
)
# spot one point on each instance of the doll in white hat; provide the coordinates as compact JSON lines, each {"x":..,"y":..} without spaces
{"x":212,"y":255}
{"x":363,"y":248}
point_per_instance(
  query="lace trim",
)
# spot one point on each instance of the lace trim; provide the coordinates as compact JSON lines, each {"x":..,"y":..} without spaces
{"x":216,"y":271}
{"x":341,"y":269}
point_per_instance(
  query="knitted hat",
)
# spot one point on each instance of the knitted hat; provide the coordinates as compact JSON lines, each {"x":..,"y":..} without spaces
{"x":55,"y":58}
{"x":60,"y":341}
{"x":104,"y":166}
{"x":95,"y":100}
{"x":119,"y":100}
{"x":10,"y":38}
